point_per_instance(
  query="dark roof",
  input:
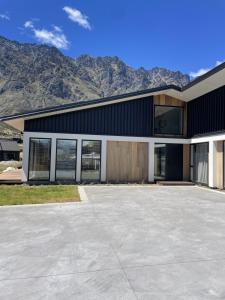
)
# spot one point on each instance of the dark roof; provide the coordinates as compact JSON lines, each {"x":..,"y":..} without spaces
{"x":89,"y":102}
{"x":8,"y":145}
{"x":204,"y":76}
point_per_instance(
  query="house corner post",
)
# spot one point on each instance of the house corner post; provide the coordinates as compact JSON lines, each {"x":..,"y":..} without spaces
{"x":151,"y":150}
{"x":212,"y":164}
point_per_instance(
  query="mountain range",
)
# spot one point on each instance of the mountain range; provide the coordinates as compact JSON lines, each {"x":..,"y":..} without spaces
{"x":35,"y":76}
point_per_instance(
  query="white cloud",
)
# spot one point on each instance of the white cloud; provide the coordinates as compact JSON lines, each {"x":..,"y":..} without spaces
{"x":76,"y":16}
{"x":54,"y":37}
{"x":28,"y":24}
{"x":4,"y":17}
{"x":219,"y":62}
{"x":57,"y":28}
{"x":202,"y":71}
{"x":199,"y":72}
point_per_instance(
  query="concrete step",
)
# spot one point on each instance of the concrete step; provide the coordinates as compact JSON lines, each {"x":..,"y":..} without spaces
{"x":175,"y":183}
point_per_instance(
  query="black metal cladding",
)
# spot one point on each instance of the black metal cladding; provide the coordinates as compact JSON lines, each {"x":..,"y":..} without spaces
{"x":129,"y":118}
{"x":206,"y":114}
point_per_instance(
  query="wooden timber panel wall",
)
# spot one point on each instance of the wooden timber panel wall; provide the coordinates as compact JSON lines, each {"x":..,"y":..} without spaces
{"x":167,"y":100}
{"x":127,"y":161}
{"x":170,"y":101}
{"x":186,"y":162}
{"x":219,"y":164}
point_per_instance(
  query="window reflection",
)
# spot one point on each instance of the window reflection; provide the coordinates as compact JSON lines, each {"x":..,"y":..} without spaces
{"x":168,"y":120}
{"x":66,"y":159}
{"x":39,"y":159}
{"x":91,"y":160}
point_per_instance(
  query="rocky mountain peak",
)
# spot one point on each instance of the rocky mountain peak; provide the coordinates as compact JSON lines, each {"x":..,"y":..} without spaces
{"x":34,"y":76}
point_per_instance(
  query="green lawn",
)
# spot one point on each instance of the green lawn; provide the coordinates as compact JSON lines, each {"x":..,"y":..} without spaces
{"x":22,"y":194}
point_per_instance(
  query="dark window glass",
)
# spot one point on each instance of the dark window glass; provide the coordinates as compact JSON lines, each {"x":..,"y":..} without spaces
{"x":168,"y":120}
{"x":66,"y":156}
{"x":10,"y":155}
{"x":39,"y":160}
{"x":91,"y":160}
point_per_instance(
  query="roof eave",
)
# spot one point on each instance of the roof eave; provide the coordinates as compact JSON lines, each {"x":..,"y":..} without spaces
{"x":88,"y":104}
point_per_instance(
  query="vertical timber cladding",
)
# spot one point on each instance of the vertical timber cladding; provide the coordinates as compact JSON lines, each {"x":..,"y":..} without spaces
{"x":186,"y":162}
{"x":170,"y":101}
{"x":219,"y":164}
{"x":127,"y":161}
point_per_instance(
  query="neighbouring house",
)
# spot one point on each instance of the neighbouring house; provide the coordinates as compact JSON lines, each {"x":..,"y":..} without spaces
{"x":165,"y":133}
{"x":9,"y":150}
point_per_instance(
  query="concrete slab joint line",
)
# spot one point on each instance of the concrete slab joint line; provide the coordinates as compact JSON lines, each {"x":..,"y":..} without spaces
{"x":82,"y":193}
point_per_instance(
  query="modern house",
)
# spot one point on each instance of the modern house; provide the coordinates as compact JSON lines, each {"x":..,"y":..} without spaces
{"x":9,"y":150}
{"x":166,"y":133}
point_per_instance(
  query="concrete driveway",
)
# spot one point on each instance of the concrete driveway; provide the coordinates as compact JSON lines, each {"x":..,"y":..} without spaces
{"x":124,"y":243}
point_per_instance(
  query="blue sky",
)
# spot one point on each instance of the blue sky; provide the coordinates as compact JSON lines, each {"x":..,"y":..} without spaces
{"x":179,"y":35}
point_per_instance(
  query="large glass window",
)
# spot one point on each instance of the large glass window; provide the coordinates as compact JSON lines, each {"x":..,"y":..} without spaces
{"x":168,"y":120}
{"x":91,"y":160}
{"x":39,"y":160}
{"x":66,"y":156}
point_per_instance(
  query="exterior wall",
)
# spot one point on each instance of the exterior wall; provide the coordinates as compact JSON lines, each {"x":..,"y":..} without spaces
{"x":206,"y":114}
{"x":104,"y":139}
{"x":129,"y":118}
{"x":215,"y":154}
{"x":206,"y":123}
{"x":167,"y":100}
{"x":127,"y":161}
{"x":186,"y":162}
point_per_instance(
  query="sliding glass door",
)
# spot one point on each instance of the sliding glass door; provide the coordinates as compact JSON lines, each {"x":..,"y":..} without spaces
{"x":199,"y":163}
